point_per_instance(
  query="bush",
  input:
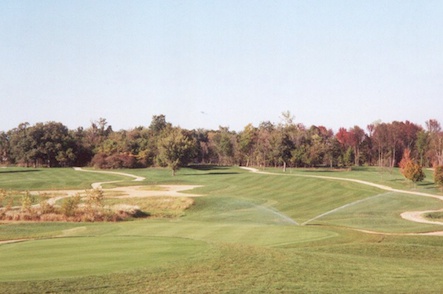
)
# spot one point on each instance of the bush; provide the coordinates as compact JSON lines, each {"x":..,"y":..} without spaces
{"x":72,"y":209}
{"x":114,"y":161}
{"x":99,"y":160}
{"x":46,"y":208}
{"x":411,"y":170}
{"x":70,"y":206}
{"x":27,"y":201}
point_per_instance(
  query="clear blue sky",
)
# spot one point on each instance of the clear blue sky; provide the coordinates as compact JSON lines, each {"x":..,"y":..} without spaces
{"x":230,"y":63}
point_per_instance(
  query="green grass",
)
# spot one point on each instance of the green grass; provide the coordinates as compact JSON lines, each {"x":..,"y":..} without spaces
{"x":11,"y":230}
{"x":73,"y":257}
{"x":382,"y":213}
{"x":386,"y":176}
{"x":20,"y":179}
{"x":242,"y":237}
{"x":371,"y":265}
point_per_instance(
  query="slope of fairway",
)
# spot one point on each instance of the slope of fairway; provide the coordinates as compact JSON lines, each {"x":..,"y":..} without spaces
{"x":382,"y":213}
{"x":273,"y":199}
{"x":391,"y":177}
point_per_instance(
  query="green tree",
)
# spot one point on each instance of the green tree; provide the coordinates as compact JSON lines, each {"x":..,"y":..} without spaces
{"x":223,"y":142}
{"x":175,"y":149}
{"x":158,"y":123}
{"x":4,"y":148}
{"x":246,"y":141}
{"x":422,"y":144}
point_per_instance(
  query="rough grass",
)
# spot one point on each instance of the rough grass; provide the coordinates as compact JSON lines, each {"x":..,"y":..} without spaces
{"x":246,"y":240}
{"x":435,"y":215}
{"x":156,"y":207}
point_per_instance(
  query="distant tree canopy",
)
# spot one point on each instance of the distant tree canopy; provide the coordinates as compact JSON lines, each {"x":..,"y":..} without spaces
{"x":287,"y":143}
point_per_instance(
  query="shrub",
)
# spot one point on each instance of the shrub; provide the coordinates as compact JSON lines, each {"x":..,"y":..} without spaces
{"x":99,"y":160}
{"x":70,"y":206}
{"x":52,"y":217}
{"x":27,"y":201}
{"x":114,"y":161}
{"x":411,"y":170}
{"x":45,"y":207}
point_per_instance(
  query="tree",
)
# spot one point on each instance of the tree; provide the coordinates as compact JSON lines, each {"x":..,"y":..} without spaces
{"x":263,"y":144}
{"x":410,"y":169}
{"x":52,"y":144}
{"x":438,"y":176}
{"x":4,"y":148}
{"x":356,"y":136}
{"x":158,"y":123}
{"x":20,"y":144}
{"x":246,"y":141}
{"x":436,"y":142}
{"x":175,"y":149}
{"x":421,"y":145}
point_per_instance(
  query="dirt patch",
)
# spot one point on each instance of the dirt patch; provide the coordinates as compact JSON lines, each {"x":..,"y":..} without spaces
{"x":13,"y":241}
{"x":141,"y":191}
{"x":126,"y":192}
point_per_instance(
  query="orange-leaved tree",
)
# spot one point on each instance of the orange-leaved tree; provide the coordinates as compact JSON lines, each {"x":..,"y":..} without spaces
{"x":410,"y":169}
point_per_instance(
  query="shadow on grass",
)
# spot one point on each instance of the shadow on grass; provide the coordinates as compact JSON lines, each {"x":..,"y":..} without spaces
{"x":208,"y":167}
{"x":212,"y":170}
{"x":18,"y":171}
{"x":322,"y":170}
{"x":213,"y":174}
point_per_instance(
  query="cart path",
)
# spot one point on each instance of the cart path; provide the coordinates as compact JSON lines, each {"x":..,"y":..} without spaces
{"x":415,"y":216}
{"x":99,"y":184}
{"x":123,"y":192}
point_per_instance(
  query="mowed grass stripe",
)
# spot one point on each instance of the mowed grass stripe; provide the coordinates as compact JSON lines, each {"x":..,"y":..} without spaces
{"x":240,"y":233}
{"x":383,"y":213}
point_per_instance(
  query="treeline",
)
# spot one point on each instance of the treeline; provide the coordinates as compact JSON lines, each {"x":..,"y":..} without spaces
{"x":287,"y":143}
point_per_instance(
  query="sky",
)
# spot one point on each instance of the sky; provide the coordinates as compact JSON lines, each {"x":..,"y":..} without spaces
{"x":205,"y":64}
